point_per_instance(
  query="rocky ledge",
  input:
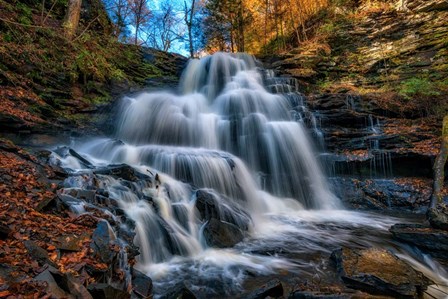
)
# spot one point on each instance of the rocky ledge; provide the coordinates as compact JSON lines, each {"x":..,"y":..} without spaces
{"x":378,"y":271}
{"x":432,"y":237}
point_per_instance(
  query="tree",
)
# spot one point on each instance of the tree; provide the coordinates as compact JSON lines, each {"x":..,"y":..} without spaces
{"x":189,"y":12}
{"x":140,"y":15}
{"x":164,"y":28}
{"x":120,"y":11}
{"x":439,"y":166}
{"x":72,"y":18}
{"x":226,"y":21}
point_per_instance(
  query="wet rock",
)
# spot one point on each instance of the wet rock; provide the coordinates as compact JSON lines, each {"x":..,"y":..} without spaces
{"x":438,"y":216}
{"x":430,"y":240}
{"x":102,"y":239}
{"x":106,"y":291}
{"x":141,"y":284}
{"x":65,"y":151}
{"x":211,"y":206}
{"x":378,"y":271}
{"x":124,"y":172}
{"x":412,"y":194}
{"x":38,"y":253}
{"x":68,"y":200}
{"x":180,"y":291}
{"x":272,"y":289}
{"x":317,"y":295}
{"x":222,"y":234}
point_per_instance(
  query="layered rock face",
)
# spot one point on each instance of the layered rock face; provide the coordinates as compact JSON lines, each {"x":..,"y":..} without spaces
{"x":376,"y":159}
{"x":382,"y":43}
{"x":380,"y":142}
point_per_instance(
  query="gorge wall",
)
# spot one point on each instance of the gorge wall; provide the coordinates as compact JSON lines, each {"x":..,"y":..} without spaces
{"x":376,"y":77}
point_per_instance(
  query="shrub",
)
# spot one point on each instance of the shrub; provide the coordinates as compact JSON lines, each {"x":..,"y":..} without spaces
{"x":417,"y":87}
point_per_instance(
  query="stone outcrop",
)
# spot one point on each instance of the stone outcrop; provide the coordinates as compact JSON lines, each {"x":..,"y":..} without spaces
{"x":378,"y":271}
{"x":428,"y":239}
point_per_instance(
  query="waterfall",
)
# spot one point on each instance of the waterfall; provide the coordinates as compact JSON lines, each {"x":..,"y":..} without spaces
{"x":224,"y":106}
{"x":222,"y":132}
{"x":229,"y":154}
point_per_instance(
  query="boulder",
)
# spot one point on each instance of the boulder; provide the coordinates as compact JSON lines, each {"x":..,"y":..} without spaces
{"x":70,"y":242}
{"x":428,"y":239}
{"x":378,"y":271}
{"x":102,"y":239}
{"x":141,"y":284}
{"x":317,"y":295}
{"x":180,"y":291}
{"x":124,"y":172}
{"x":271,"y":289}
{"x":222,"y":234}
{"x":106,"y":291}
{"x":38,"y":253}
{"x":213,"y":206}
{"x":438,"y":216}
{"x":62,"y":285}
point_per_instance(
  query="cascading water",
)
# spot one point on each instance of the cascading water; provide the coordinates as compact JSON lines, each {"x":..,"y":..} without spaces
{"x":227,"y":143}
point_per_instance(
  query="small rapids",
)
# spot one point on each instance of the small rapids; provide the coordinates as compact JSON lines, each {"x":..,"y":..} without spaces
{"x":227,"y":149}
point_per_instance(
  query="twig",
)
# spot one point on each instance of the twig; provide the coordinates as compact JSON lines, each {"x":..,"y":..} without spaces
{"x":85,"y":29}
{"x":48,"y":14}
{"x":42,"y":11}
{"x":19,"y":24}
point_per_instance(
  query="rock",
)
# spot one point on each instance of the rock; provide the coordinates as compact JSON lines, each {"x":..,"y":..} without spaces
{"x":180,"y":291}
{"x":210,"y":206}
{"x":317,"y":295}
{"x":124,"y":172}
{"x":427,"y":5}
{"x":103,"y":237}
{"x":222,"y":234}
{"x":272,"y":289}
{"x":430,"y":240}
{"x":69,"y":200}
{"x":438,"y":216}
{"x":65,"y":151}
{"x":411,"y":194}
{"x":62,"y":285}
{"x":4,"y":231}
{"x":106,"y":291}
{"x":10,"y":275}
{"x":38,"y":253}
{"x":46,"y":204}
{"x":141,"y":284}
{"x":378,"y":271}
{"x":70,"y":242}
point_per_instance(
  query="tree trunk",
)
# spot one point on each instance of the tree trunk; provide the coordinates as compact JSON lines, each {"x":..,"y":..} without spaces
{"x":72,"y":17}
{"x":240,"y":27}
{"x":439,"y":166}
{"x":137,"y":28}
{"x":189,"y":16}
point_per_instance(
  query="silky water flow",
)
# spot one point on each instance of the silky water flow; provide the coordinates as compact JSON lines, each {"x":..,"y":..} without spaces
{"x":247,"y":149}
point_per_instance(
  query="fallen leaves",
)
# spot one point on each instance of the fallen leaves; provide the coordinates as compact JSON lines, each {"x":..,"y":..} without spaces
{"x":22,"y":187}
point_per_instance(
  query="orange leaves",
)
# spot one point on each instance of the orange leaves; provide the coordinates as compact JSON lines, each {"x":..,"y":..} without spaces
{"x":20,"y":191}
{"x":4,"y":294}
{"x":14,"y":103}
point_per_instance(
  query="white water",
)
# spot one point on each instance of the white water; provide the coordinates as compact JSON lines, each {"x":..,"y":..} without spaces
{"x":228,"y":135}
